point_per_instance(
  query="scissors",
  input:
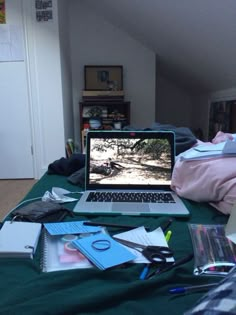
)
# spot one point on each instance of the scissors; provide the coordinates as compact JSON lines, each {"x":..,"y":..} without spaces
{"x":153,"y":253}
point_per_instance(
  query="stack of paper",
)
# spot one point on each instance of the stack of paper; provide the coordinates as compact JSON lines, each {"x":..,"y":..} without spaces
{"x":19,"y":239}
{"x":103,"y":251}
{"x":203,"y":151}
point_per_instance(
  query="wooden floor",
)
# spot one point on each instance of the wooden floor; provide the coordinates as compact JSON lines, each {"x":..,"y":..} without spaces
{"x":12,"y":191}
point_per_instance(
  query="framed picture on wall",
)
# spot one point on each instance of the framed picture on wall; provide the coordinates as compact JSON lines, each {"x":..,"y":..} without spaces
{"x":103,"y":78}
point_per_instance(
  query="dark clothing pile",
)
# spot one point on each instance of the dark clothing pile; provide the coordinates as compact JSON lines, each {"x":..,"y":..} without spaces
{"x":67,"y":166}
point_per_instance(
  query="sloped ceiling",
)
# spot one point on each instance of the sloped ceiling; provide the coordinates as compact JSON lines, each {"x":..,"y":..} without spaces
{"x":195,"y":40}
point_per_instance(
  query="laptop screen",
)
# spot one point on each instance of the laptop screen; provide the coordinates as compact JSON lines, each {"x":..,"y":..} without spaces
{"x":129,"y":159}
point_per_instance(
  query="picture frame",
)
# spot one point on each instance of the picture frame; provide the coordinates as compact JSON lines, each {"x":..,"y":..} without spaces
{"x":103,"y":78}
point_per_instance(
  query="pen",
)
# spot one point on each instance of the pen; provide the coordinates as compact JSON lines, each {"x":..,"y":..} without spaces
{"x":144,"y":273}
{"x":175,"y":264}
{"x":193,"y":288}
{"x":112,"y":225}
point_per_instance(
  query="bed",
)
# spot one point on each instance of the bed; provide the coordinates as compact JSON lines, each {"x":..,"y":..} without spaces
{"x":25,"y":289}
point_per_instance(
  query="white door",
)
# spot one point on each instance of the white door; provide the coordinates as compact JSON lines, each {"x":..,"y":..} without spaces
{"x":16,"y":160}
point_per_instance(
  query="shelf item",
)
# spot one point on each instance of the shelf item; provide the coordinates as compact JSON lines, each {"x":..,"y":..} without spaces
{"x":94,"y":111}
{"x":103,"y":96}
{"x":112,"y":114}
{"x":103,"y":78}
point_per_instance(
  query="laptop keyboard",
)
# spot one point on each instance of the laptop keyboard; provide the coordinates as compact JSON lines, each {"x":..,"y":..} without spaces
{"x":148,"y":197}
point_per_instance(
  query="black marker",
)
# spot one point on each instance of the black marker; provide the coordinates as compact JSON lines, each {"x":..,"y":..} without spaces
{"x":166,"y":224}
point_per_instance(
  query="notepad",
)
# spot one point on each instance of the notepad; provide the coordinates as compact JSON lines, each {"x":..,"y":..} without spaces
{"x":19,"y":239}
{"x":103,"y":251}
{"x":72,"y":227}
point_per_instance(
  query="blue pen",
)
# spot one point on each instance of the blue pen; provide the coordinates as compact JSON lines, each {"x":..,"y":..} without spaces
{"x":193,"y":288}
{"x":144,"y":273}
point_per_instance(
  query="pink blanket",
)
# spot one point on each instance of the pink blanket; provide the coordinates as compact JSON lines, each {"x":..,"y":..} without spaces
{"x":208,"y":180}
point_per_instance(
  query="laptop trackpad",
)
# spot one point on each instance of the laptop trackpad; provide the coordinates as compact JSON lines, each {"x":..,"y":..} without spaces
{"x":130,"y":207}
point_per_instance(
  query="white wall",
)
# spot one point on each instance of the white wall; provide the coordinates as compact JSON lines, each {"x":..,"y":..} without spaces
{"x":45,"y":87}
{"x":200,"y":113}
{"x":95,"y":41}
{"x":174,"y":105}
{"x":63,"y":17}
{"x":180,"y":106}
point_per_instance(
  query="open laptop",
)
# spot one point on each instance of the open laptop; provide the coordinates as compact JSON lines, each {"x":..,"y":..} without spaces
{"x":129,"y":172}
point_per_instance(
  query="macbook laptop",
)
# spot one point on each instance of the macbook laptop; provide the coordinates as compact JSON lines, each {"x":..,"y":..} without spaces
{"x":129,"y":172}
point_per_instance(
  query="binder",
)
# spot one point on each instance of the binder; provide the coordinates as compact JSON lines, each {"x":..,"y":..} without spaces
{"x":19,"y":239}
{"x":58,"y":253}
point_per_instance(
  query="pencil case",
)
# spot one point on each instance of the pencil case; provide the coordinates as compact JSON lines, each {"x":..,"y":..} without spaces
{"x":214,"y":253}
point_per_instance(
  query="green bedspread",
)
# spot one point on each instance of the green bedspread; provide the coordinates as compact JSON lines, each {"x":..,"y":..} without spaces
{"x":25,"y":289}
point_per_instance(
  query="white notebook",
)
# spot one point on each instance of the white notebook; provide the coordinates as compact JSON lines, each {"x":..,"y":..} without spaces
{"x":19,"y":239}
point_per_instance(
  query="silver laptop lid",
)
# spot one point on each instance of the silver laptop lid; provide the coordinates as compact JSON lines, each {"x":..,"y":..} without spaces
{"x":129,"y":160}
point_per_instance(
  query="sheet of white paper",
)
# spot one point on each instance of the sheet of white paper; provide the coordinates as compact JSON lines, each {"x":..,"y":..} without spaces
{"x":230,"y":229}
{"x":11,"y":43}
{"x":206,"y":151}
{"x":230,"y":147}
{"x":193,"y":154}
{"x":141,"y":236}
{"x":210,"y":147}
{"x":226,"y":147}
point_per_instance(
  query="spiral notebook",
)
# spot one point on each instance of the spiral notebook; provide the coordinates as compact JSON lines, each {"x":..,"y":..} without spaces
{"x":19,"y":239}
{"x":58,"y":253}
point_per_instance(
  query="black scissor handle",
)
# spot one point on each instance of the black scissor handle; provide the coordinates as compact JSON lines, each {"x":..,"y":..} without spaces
{"x":154,"y":256}
{"x":163,"y":250}
{"x":166,"y":251}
